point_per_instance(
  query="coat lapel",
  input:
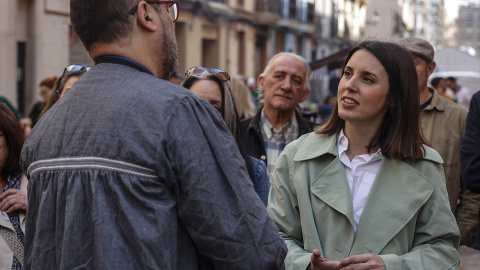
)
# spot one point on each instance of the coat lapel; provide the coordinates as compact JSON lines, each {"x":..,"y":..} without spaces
{"x":331,"y":186}
{"x":397,"y":194}
{"x":329,"y":182}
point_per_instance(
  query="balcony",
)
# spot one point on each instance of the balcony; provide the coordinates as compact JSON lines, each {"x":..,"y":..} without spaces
{"x":268,"y":11}
{"x":271,"y":6}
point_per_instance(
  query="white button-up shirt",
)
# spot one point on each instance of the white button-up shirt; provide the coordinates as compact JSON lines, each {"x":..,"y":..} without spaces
{"x":361,"y":172}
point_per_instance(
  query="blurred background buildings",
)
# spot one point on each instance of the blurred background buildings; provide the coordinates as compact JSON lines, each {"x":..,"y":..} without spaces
{"x":239,"y":36}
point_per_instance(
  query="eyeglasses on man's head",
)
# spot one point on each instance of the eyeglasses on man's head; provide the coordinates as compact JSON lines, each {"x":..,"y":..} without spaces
{"x":197,"y":71}
{"x":72,"y":68}
{"x":172,"y":8}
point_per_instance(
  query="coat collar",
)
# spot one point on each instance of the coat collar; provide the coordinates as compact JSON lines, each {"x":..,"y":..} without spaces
{"x":396,"y":209}
{"x":315,"y":145}
{"x":437,"y":102}
{"x":304,"y":126}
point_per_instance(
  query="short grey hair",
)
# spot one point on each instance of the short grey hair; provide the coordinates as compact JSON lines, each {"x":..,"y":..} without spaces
{"x":294,"y":55}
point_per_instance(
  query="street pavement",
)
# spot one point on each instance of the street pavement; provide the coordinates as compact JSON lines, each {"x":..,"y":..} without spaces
{"x":469,"y":258}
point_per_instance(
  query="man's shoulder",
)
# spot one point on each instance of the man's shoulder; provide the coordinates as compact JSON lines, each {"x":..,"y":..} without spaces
{"x":132,"y":83}
{"x":254,"y":121}
{"x":451,"y":109}
{"x":476,"y":97}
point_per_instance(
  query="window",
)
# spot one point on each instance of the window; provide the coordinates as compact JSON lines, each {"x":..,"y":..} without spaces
{"x":310,"y":11}
{"x":469,"y":16}
{"x":292,"y":9}
{"x":274,"y":7}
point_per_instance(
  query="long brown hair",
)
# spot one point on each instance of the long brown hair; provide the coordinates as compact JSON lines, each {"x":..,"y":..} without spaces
{"x":10,"y":127}
{"x":399,"y":135}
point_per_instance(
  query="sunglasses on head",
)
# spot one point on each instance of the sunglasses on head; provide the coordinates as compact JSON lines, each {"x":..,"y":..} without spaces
{"x":73,"y":68}
{"x":196,"y":71}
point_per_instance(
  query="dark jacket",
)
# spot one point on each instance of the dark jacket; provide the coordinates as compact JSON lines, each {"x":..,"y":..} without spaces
{"x":147,"y":176}
{"x":252,"y":135}
{"x":470,"y":153}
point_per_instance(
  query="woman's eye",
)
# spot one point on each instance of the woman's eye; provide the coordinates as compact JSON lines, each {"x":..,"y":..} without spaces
{"x":368,"y":80}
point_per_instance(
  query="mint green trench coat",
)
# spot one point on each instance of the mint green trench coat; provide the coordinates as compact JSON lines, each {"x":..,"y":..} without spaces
{"x":406,"y":219}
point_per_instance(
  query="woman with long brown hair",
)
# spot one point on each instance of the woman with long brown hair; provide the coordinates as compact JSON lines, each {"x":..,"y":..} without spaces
{"x":13,"y":192}
{"x":365,"y":191}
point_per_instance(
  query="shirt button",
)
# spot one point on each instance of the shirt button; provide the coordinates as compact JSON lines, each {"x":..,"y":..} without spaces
{"x":263,"y":157}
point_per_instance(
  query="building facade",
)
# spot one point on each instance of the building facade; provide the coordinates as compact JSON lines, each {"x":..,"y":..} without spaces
{"x":35,"y":43}
{"x":468,"y":27}
{"x":239,"y":36}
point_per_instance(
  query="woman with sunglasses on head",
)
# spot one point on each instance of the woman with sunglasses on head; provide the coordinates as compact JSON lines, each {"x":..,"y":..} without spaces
{"x":213,"y":86}
{"x":365,"y":191}
{"x":13,"y":192}
{"x":70,"y":75}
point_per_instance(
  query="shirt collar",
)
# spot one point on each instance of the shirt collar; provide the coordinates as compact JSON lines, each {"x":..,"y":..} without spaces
{"x":122,"y":61}
{"x":342,"y":146}
{"x":269,"y":129}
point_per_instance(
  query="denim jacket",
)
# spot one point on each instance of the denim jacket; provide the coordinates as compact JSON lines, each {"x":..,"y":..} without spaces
{"x":131,"y":172}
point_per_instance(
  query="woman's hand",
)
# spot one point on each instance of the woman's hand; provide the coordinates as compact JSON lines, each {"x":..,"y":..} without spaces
{"x":364,"y":261}
{"x":320,"y":263}
{"x":14,"y":199}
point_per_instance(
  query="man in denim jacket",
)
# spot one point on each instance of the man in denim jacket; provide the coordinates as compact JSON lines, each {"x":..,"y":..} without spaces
{"x":128,"y":171}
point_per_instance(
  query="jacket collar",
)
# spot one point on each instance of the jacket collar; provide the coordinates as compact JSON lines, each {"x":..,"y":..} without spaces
{"x":303,"y":126}
{"x":315,"y":145}
{"x":323,"y":145}
{"x":437,"y":102}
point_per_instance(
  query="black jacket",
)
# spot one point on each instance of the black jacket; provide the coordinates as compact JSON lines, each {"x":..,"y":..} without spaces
{"x":252,"y":135}
{"x":470,"y":153}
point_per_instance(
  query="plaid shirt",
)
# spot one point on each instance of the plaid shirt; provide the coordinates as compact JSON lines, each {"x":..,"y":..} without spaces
{"x":276,"y":140}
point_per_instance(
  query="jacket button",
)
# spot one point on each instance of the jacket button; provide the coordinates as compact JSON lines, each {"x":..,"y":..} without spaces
{"x":263,"y":157}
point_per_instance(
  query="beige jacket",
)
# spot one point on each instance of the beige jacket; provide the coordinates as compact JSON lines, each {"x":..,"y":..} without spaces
{"x":6,"y":254}
{"x":443,"y":124}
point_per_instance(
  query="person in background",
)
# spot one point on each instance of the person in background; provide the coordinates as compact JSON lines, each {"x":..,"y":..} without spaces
{"x":46,"y":91}
{"x":70,"y":75}
{"x":284,"y":84}
{"x":212,"y":85}
{"x":365,"y":191}
{"x":440,"y":84}
{"x":243,"y":99}
{"x":326,"y":108}
{"x":13,"y":192}
{"x":443,"y":123}
{"x":25,"y":122}
{"x":470,"y":154}
{"x":462,"y":94}
{"x":252,"y":85}
{"x":129,"y":171}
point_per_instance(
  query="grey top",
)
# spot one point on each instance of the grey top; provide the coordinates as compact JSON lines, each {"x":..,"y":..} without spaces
{"x":131,"y":172}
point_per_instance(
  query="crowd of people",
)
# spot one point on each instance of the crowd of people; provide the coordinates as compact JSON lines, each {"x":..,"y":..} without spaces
{"x":131,"y":165}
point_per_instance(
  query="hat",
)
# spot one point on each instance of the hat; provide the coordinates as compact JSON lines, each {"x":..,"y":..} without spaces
{"x":418,"y":47}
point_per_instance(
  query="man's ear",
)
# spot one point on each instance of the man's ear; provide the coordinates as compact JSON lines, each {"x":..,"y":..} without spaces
{"x":306,"y":93}
{"x":145,"y":16}
{"x":260,"y":83}
{"x":431,"y":67}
